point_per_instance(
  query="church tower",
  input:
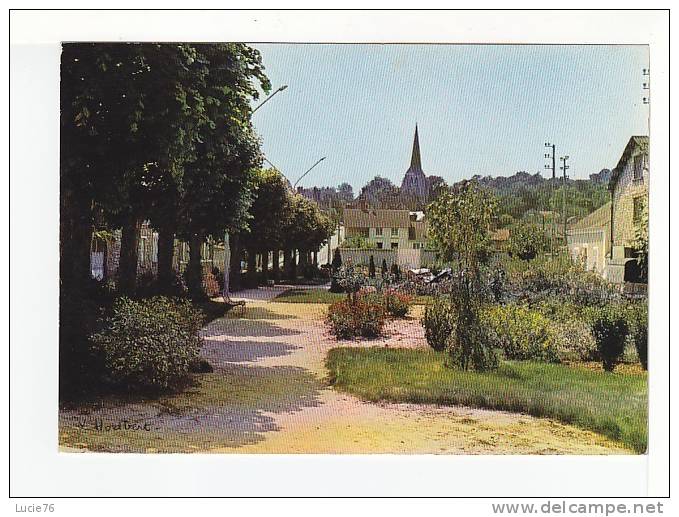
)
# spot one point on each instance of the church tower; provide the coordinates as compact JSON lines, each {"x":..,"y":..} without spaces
{"x":415,"y":182}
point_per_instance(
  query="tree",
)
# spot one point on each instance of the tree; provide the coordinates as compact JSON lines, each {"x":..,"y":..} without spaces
{"x":268,"y":217}
{"x":371,"y":267}
{"x":305,"y":231}
{"x":459,"y":222}
{"x":334,"y":270}
{"x":384,"y":268}
{"x":218,"y":183}
{"x":380,"y":193}
{"x":526,"y":241}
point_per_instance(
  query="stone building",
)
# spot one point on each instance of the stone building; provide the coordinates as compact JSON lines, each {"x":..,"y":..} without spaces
{"x":603,"y":241}
{"x":629,"y":195}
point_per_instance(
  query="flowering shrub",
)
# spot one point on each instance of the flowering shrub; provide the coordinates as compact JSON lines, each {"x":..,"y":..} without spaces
{"x":397,"y":304}
{"x":520,"y":333}
{"x":149,"y":344}
{"x":363,"y":316}
{"x":574,"y":341}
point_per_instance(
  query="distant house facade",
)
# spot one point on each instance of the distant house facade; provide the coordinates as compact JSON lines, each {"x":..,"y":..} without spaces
{"x":397,"y":236}
{"x":386,"y":229}
{"x":603,"y":241}
{"x":589,"y":240}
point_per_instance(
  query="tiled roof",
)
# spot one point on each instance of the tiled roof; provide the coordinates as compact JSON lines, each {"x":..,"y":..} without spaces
{"x":376,"y":218}
{"x":597,"y":219}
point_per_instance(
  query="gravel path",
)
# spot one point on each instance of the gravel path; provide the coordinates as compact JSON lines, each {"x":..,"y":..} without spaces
{"x":269,"y":394}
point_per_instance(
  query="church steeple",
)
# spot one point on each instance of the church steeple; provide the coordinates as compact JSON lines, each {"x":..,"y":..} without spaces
{"x":416,"y":161}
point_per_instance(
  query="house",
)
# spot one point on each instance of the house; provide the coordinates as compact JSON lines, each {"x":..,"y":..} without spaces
{"x":386,"y":228}
{"x":603,"y":241}
{"x":395,"y":236}
{"x":589,"y":239}
{"x":629,"y":194}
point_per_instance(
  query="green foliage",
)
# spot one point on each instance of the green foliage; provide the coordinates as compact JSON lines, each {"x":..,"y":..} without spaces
{"x":640,"y":243}
{"x":364,"y":316}
{"x":520,"y":333}
{"x":149,"y":344}
{"x":358,"y":242}
{"x":459,"y":220}
{"x":439,"y":322}
{"x":526,"y":241}
{"x":638,"y":323}
{"x":615,"y":406}
{"x":610,"y":328}
{"x":397,"y":304}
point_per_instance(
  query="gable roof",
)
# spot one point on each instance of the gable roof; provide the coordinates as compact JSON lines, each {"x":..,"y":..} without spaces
{"x":633,"y":143}
{"x":597,"y":219}
{"x":376,"y":218}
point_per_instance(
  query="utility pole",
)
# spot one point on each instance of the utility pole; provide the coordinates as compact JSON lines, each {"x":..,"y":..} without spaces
{"x":646,"y":85}
{"x":564,"y":168}
{"x":551,"y":167}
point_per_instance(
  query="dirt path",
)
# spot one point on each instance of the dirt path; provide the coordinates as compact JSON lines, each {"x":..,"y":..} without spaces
{"x":268,"y":394}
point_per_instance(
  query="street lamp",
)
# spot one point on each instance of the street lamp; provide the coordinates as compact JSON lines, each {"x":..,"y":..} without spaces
{"x":307,"y":172}
{"x":280,"y":89}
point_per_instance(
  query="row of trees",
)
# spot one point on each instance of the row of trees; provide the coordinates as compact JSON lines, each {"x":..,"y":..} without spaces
{"x":281,"y":221}
{"x":163,"y":132}
{"x":157,"y":132}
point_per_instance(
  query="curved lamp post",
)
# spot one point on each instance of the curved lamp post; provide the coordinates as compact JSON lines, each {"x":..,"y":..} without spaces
{"x":307,"y":172}
{"x":280,"y":89}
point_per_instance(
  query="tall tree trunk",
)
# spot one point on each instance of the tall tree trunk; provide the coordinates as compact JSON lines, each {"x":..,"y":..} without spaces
{"x":129,"y":254}
{"x":194,"y":276}
{"x":166,"y":235}
{"x":293,"y":265}
{"x":265,"y":266}
{"x":235,"y":260}
{"x":275,"y":265}
{"x":75,"y":235}
{"x":251,"y":276}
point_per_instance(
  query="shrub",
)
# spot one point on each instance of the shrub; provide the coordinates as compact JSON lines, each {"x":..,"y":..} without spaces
{"x":638,"y":318}
{"x":397,"y":304}
{"x":609,"y":328}
{"x":364,"y":316}
{"x":149,"y":344}
{"x":573,"y":341}
{"x":469,"y":346}
{"x":439,"y":322}
{"x":521,"y":333}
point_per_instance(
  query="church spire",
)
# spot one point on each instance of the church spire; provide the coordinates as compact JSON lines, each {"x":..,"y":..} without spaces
{"x":415,"y":161}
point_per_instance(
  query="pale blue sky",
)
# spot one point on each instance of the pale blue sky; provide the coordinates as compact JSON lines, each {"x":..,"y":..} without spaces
{"x":481,"y":109}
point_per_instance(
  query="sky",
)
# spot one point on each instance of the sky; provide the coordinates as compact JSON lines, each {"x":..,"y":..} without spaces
{"x":480,"y":109}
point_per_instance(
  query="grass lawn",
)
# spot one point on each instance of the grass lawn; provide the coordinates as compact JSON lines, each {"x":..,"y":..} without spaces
{"x":615,"y":405}
{"x":325,"y":296}
{"x":309,"y":296}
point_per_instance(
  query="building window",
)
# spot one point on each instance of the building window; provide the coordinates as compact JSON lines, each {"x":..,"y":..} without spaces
{"x":411,"y":234}
{"x":394,"y":245}
{"x":380,"y":245}
{"x":394,"y":232}
{"x":417,"y":245}
{"x":378,"y":232}
{"x":638,"y":167}
{"x":638,"y":208}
